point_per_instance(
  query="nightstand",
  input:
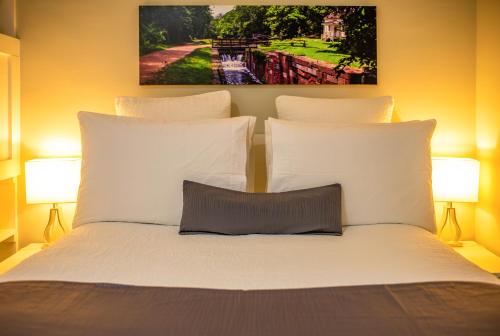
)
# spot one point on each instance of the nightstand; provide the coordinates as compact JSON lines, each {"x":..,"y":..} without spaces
{"x":480,"y":256}
{"x":20,"y":255}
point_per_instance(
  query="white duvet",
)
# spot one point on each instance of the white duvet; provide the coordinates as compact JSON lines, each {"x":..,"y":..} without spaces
{"x":154,"y":255}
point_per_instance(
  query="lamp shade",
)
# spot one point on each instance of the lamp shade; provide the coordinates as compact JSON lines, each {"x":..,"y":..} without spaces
{"x":52,"y":180}
{"x":455,"y":179}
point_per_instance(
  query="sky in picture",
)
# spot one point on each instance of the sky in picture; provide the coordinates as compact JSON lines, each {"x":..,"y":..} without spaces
{"x":216,"y":10}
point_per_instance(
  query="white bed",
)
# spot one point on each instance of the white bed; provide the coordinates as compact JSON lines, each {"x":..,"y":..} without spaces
{"x":156,"y":255}
{"x":133,"y":170}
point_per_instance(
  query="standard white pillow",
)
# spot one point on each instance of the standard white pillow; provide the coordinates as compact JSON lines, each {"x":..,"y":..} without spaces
{"x":384,"y":169}
{"x":329,"y":110}
{"x":133,"y":169}
{"x":335,"y":110}
{"x":212,"y":105}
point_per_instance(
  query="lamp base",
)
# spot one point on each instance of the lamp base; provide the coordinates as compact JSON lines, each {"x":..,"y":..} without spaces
{"x":55,"y":227}
{"x":450,"y":221}
{"x":453,"y":243}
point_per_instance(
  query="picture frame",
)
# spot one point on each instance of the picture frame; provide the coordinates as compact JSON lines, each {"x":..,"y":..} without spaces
{"x":242,"y":45}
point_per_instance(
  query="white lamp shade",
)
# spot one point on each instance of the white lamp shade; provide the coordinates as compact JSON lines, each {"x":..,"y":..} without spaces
{"x":455,"y":179}
{"x":52,"y":180}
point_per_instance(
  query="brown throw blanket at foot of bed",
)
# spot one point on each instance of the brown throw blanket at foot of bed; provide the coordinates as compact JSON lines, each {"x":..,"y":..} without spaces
{"x":63,"y":308}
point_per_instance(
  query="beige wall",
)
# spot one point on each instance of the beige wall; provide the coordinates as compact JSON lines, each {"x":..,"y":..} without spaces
{"x":79,"y":55}
{"x":8,"y":22}
{"x":488,"y":123}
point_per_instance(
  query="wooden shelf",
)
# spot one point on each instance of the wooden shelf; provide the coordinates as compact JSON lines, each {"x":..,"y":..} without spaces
{"x":6,"y":234}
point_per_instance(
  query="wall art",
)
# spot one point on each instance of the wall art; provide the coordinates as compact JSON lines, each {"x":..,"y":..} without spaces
{"x":241,"y":45}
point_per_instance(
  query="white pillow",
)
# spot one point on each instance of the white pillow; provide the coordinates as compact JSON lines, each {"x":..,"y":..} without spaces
{"x":384,"y":169}
{"x":336,"y":110}
{"x":212,"y":105}
{"x":132,"y":169}
{"x":329,"y":110}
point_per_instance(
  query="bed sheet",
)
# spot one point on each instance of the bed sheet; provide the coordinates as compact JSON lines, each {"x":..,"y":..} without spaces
{"x":155,"y":255}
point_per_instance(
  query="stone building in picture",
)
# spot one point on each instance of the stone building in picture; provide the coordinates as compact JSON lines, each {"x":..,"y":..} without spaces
{"x":333,"y":27}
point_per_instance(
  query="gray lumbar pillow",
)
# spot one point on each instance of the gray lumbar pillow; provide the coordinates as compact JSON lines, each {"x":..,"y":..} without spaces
{"x":210,"y":209}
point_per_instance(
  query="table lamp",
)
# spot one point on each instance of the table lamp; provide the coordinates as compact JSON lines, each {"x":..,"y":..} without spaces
{"x":52,"y":181}
{"x":454,"y":180}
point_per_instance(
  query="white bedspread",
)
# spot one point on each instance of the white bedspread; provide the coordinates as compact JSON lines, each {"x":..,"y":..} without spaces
{"x":153,"y":255}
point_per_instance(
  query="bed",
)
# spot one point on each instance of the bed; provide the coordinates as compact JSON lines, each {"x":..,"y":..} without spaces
{"x":130,"y":278}
{"x":126,"y":269}
{"x":154,"y":255}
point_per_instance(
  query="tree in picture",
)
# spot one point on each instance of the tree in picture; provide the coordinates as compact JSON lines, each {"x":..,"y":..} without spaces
{"x":361,"y":40}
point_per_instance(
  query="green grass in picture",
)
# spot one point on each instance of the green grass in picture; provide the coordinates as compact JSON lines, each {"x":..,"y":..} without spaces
{"x":156,"y":47}
{"x":314,"y":48}
{"x":163,"y":46}
{"x":195,"y":68}
{"x":202,"y":41}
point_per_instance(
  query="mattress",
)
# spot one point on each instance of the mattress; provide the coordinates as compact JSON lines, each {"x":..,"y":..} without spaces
{"x":154,"y":255}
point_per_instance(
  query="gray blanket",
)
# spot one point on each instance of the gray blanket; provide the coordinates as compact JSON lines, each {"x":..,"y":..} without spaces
{"x":63,"y":308}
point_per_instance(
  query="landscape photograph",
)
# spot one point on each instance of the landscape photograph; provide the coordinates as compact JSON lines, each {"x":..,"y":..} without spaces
{"x":241,"y":45}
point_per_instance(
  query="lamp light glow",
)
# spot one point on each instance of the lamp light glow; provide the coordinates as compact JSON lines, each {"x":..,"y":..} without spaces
{"x":455,"y":179}
{"x":52,"y":180}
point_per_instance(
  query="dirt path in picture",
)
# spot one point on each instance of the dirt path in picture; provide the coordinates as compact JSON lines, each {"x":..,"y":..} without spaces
{"x":151,"y":63}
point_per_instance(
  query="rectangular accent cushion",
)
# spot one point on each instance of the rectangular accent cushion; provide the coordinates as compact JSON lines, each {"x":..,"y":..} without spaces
{"x":385,"y":169}
{"x":209,"y":209}
{"x":132,"y":168}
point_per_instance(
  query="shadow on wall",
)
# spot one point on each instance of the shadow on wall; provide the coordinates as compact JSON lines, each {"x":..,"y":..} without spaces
{"x":235,"y":111}
{"x":260,"y":180}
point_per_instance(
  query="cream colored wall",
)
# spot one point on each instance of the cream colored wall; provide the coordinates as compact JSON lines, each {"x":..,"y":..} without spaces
{"x":79,"y":55}
{"x":488,"y":123}
{"x":8,"y":22}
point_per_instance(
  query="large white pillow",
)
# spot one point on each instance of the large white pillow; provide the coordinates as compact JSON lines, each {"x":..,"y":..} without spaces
{"x":384,"y":169}
{"x":133,"y":169}
{"x":329,"y":110}
{"x":212,"y":105}
{"x":335,"y":110}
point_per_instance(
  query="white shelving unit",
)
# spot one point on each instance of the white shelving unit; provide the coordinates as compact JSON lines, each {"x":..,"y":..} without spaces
{"x":7,"y":235}
{"x":10,"y":81}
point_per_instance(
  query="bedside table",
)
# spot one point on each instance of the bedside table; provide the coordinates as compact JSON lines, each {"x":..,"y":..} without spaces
{"x":480,"y":256}
{"x":20,"y":255}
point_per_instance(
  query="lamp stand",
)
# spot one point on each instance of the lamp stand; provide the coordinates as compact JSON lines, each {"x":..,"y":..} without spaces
{"x":450,"y":219}
{"x":55,"y":223}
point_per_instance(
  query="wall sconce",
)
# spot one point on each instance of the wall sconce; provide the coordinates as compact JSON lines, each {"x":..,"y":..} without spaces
{"x":52,"y":181}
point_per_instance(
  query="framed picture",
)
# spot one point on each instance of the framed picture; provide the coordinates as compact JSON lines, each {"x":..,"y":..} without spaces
{"x":240,"y":45}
